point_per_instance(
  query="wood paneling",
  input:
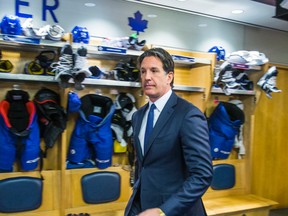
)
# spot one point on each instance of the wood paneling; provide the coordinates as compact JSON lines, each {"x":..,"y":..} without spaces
{"x":240,"y":181}
{"x":269,"y":150}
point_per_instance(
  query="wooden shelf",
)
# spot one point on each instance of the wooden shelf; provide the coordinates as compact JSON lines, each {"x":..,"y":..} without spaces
{"x":185,"y":61}
{"x":27,"y":77}
{"x":88,"y":81}
{"x":233,"y":91}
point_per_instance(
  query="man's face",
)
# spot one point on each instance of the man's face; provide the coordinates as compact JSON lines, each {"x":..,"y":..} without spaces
{"x":155,"y":81}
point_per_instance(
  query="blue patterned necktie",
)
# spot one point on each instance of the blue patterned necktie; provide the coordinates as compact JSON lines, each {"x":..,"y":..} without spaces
{"x":149,"y":126}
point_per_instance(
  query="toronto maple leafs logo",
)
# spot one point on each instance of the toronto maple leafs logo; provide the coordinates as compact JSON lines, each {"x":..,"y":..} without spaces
{"x":137,"y":23}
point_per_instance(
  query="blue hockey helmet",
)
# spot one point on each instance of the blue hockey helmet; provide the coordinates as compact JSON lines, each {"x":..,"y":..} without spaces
{"x":220,"y":51}
{"x":80,"y":34}
{"x":11,"y":25}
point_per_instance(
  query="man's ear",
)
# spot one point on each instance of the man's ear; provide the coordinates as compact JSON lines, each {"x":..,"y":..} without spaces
{"x":170,"y":76}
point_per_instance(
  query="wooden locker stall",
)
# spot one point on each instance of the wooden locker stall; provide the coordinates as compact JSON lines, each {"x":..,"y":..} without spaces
{"x":62,"y":194}
{"x":239,"y":200}
{"x":193,"y":91}
{"x":194,"y":73}
{"x":269,"y":156}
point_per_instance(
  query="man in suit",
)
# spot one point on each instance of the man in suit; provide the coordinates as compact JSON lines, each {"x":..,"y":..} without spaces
{"x":173,"y":167}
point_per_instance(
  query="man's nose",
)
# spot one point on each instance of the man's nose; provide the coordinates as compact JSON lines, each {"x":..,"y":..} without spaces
{"x":147,"y":75}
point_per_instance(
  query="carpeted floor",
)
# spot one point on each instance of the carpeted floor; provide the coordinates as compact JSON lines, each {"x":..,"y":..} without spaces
{"x":279,"y":212}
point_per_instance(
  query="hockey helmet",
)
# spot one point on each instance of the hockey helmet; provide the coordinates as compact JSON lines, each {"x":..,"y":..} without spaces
{"x":220,"y":51}
{"x":11,"y":25}
{"x":80,"y":34}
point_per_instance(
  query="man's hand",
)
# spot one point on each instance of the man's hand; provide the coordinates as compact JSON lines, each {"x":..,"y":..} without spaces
{"x":151,"y":212}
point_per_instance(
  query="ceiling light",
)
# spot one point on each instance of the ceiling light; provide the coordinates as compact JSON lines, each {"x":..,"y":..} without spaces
{"x":90,"y":4}
{"x":202,"y":25}
{"x":181,"y":0}
{"x":238,"y":11}
{"x":152,"y":15}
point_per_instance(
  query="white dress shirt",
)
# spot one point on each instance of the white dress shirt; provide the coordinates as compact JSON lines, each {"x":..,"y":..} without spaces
{"x":160,"y":103}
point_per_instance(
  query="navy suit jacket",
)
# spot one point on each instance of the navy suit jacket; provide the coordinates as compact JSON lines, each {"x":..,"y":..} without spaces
{"x":176,"y":168}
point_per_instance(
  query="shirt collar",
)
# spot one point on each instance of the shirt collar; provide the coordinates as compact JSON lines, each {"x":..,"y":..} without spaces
{"x":160,"y":103}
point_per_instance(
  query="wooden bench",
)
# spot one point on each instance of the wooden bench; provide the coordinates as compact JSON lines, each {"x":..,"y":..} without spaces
{"x":238,"y":205}
{"x":236,"y":201}
{"x":115,"y":213}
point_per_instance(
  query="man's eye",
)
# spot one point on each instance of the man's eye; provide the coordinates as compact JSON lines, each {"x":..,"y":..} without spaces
{"x":154,"y":71}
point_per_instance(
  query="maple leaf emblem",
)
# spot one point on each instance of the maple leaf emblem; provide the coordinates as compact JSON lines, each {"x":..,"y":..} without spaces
{"x":136,"y":22}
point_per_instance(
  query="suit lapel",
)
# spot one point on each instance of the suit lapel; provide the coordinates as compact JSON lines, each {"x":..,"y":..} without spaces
{"x":164,"y":117}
